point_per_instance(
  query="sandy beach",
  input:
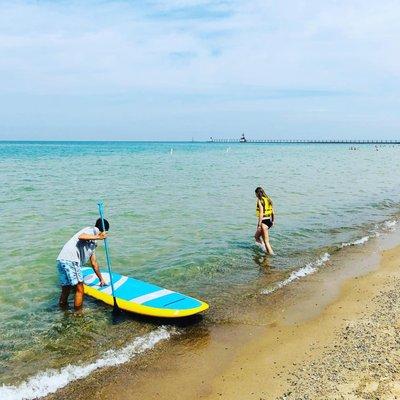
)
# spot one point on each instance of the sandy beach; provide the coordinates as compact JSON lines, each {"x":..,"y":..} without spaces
{"x":333,"y":335}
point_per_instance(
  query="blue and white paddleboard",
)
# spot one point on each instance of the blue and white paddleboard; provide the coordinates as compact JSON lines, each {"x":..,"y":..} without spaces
{"x":141,"y":297}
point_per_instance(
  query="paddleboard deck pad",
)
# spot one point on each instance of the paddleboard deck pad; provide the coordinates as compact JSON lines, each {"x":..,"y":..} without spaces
{"x":141,"y":297}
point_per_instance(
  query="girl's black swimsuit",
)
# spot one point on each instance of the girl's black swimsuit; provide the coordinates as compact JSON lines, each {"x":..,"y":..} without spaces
{"x":268,"y":222}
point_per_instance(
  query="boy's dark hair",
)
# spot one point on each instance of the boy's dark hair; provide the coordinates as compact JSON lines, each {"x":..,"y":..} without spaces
{"x":99,"y":225}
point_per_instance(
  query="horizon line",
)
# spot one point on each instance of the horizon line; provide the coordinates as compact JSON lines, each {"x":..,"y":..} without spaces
{"x":213,"y":141}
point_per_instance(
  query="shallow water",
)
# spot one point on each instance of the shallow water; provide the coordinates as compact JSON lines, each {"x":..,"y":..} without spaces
{"x":183,"y":220}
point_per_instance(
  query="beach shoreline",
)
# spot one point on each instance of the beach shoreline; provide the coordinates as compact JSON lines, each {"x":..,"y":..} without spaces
{"x":311,"y":331}
{"x":348,"y":350}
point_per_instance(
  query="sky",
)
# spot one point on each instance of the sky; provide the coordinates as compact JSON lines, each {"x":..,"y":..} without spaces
{"x":191,"y":69}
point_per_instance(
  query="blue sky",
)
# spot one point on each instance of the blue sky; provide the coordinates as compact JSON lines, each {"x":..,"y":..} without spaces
{"x":182,"y":69}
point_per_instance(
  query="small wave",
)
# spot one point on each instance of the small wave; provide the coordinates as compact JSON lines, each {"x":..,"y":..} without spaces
{"x":390,"y":224}
{"x":386,"y":226}
{"x":380,"y":228}
{"x":308,"y":269}
{"x":50,"y":381}
{"x":357,"y":242}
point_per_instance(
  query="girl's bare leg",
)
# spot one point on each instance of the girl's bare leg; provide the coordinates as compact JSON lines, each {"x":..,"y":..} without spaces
{"x":265,"y":236}
{"x":257,"y":236}
{"x":259,"y":239}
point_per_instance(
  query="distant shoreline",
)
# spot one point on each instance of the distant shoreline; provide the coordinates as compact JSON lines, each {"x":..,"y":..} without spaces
{"x":217,"y":141}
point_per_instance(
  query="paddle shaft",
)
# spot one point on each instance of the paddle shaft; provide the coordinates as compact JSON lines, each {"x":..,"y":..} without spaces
{"x":101,"y":212}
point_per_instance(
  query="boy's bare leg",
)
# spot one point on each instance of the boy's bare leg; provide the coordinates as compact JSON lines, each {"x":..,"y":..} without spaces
{"x":79,"y":293}
{"x":63,"y":302}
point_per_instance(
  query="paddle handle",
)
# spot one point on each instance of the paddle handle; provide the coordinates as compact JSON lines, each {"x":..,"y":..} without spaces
{"x":101,"y":212}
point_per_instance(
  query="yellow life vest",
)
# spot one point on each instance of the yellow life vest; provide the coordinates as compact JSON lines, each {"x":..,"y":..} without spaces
{"x":267,"y":207}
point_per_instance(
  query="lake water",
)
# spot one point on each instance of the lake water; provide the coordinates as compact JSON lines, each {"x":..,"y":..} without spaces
{"x":182,"y":216}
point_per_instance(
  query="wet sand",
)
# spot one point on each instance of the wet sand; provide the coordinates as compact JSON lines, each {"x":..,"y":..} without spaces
{"x":331,"y":335}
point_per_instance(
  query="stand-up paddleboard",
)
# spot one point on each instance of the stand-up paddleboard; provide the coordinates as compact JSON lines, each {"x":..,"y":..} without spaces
{"x":141,"y":297}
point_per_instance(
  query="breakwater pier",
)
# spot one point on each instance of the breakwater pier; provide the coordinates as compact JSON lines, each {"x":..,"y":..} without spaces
{"x":243,"y":139}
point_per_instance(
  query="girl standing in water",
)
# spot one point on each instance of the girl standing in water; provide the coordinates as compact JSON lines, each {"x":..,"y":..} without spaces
{"x":265,"y":214}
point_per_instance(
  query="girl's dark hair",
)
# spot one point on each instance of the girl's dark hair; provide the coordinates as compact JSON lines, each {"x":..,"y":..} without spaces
{"x":99,"y":225}
{"x":260,"y":193}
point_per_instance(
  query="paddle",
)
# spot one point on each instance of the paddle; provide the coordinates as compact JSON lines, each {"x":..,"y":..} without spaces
{"x":101,"y":212}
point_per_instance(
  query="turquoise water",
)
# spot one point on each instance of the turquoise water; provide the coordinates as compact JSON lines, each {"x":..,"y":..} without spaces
{"x":183,"y":220}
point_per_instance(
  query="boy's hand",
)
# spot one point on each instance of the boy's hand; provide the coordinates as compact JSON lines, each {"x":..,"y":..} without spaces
{"x":103,"y":282}
{"x":102,"y":235}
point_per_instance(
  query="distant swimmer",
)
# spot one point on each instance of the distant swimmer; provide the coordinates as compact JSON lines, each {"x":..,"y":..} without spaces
{"x":76,"y":253}
{"x":266,"y":217}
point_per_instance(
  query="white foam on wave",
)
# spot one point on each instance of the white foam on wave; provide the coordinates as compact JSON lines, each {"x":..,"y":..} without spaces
{"x":386,"y":226}
{"x":390,"y":224}
{"x":357,"y":242}
{"x":50,"y":381}
{"x":308,"y":269}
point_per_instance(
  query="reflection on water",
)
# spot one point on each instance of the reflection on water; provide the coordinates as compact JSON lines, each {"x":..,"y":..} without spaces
{"x":262,"y":260}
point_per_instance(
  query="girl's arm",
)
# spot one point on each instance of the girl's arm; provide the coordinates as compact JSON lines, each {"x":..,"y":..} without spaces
{"x":273,"y":212}
{"x":261,"y":208}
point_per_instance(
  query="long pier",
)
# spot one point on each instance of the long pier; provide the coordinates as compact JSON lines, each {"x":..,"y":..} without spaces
{"x":305,"y":141}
